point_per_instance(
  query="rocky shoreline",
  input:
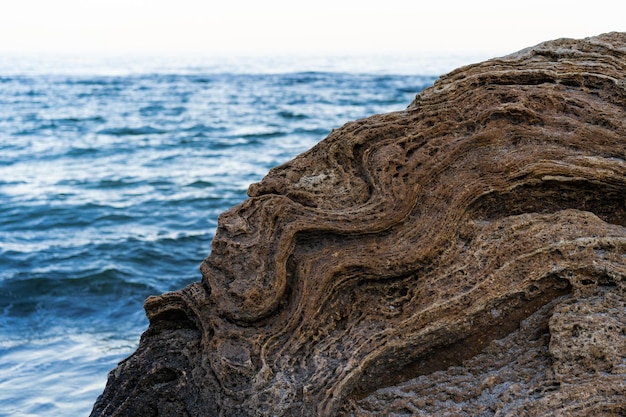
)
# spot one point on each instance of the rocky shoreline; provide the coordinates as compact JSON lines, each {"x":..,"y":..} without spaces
{"x":465,"y":256}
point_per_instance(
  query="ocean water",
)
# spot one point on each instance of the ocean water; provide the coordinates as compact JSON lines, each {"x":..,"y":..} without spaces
{"x":112,"y":175}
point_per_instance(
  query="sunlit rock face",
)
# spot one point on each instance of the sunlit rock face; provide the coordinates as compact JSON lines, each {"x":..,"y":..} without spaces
{"x":465,"y":256}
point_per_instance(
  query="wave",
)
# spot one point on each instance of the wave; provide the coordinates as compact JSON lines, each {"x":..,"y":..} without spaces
{"x":131,"y":131}
{"x":200,"y":184}
{"x":289,"y":115}
{"x":28,"y":293}
{"x":160,"y":109}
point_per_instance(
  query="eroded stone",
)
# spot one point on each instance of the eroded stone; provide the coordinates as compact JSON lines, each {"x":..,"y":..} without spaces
{"x":465,"y":256}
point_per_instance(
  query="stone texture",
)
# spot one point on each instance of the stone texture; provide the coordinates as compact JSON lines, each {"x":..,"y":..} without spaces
{"x":465,"y":256}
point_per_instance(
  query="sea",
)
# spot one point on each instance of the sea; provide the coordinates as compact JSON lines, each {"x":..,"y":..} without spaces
{"x":113,"y":171}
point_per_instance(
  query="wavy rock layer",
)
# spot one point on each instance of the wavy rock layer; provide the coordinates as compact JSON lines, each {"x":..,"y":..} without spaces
{"x":465,"y":256}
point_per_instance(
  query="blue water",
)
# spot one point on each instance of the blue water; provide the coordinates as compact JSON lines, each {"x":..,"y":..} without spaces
{"x":112,"y":175}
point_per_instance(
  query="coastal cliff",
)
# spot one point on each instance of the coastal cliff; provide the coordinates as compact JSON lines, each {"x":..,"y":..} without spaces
{"x":464,"y":256}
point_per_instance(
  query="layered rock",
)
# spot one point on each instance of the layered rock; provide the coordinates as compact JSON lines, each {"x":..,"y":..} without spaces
{"x":465,"y":256}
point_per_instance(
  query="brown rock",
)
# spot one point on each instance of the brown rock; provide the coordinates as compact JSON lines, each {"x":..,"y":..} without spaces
{"x":465,"y":256}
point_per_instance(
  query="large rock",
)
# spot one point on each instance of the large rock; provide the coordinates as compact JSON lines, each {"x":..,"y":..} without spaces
{"x":465,"y":256}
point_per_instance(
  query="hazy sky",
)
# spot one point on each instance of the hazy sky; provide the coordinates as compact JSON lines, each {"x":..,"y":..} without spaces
{"x":269,"y":27}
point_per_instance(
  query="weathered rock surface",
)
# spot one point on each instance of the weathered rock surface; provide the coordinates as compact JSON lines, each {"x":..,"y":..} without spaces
{"x":465,"y":256}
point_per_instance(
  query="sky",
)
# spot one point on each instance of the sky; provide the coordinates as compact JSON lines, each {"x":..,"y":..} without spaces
{"x":290,"y":27}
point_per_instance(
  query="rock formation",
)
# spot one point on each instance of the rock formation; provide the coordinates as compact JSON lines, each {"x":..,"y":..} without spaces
{"x":465,"y":256}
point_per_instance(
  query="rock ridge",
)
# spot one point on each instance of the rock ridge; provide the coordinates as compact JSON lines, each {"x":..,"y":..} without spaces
{"x":464,"y":256}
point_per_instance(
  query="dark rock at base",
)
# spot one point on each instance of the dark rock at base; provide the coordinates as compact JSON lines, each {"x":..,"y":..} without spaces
{"x":463,"y":257}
